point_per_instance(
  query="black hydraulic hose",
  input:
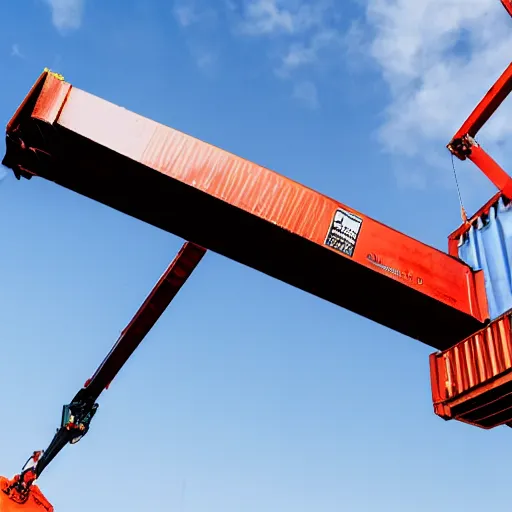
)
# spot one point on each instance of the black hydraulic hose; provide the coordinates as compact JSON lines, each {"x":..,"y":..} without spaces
{"x":61,"y":439}
{"x":85,"y":402}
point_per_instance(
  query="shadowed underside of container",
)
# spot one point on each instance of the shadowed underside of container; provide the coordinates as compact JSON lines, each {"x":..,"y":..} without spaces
{"x":243,"y":211}
{"x":472,"y":381}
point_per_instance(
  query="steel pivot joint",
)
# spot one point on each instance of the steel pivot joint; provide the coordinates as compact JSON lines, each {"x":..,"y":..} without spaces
{"x":77,"y":416}
{"x":461,"y":147}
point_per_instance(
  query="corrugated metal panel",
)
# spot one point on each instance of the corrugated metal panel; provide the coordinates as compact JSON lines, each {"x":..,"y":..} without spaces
{"x":245,"y":212}
{"x":487,"y":246}
{"x":472,"y":381}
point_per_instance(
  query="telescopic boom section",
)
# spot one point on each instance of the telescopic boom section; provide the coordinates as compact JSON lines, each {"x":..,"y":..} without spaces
{"x":244,"y":212}
{"x":83,"y":405}
{"x":76,"y":416}
{"x":155,"y":304}
{"x":463,"y":144}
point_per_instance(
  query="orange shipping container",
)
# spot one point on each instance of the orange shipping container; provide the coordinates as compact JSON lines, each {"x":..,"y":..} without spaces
{"x":472,"y":381}
{"x":243,"y":211}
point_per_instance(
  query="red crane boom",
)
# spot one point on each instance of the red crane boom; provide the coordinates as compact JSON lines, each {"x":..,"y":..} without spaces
{"x":77,"y":415}
{"x":463,"y":144}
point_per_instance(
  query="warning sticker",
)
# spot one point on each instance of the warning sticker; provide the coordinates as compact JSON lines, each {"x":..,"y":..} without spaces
{"x":344,"y":231}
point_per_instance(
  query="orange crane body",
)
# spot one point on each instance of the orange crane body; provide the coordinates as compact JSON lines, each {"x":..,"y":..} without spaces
{"x":35,"y":500}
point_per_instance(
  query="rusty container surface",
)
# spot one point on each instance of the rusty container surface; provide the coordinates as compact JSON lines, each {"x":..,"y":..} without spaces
{"x":243,"y":211}
{"x":472,"y":381}
{"x":36,"y":501}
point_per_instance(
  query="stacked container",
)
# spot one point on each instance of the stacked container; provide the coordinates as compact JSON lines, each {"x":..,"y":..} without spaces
{"x":472,"y":381}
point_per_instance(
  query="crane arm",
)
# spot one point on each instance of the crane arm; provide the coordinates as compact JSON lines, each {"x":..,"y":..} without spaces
{"x":77,"y":415}
{"x":487,"y":106}
{"x":463,"y":144}
{"x":147,"y":315}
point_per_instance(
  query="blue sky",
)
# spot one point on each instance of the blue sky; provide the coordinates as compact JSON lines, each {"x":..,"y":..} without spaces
{"x":248,"y":395}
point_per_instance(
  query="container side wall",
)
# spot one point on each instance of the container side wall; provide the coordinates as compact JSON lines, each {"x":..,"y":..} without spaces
{"x":245,"y":212}
{"x":477,"y":359}
{"x":487,"y":246}
{"x":471,"y":381}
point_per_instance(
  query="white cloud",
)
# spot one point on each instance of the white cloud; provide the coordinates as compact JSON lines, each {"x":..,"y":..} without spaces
{"x":300,"y":27}
{"x":205,"y":56}
{"x":206,"y":60}
{"x":185,"y":15}
{"x":198,"y":18}
{"x":266,"y":17}
{"x":191,"y":12}
{"x":16,"y":52}
{"x":438,"y":57}
{"x":307,"y":94}
{"x":66,"y":14}
{"x":300,"y":31}
{"x":303,"y":53}
{"x":270,"y":17}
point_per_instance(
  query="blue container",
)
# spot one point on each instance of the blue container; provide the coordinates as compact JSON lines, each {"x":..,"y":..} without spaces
{"x":487,"y":246}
